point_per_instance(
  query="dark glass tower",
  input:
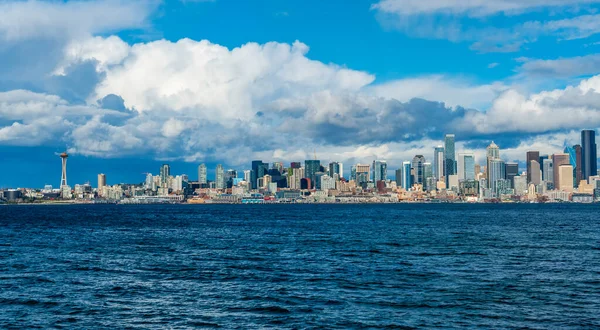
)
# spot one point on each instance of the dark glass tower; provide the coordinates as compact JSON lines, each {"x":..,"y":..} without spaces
{"x":258,"y":171}
{"x":311,"y":167}
{"x":589,"y":158}
{"x":449,"y":156}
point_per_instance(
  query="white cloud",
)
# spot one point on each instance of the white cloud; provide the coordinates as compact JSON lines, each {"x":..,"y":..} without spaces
{"x":475,"y":8}
{"x":454,"y":92}
{"x":217,"y":83}
{"x":468,"y":21}
{"x":37,"y":19}
{"x":561,"y":67}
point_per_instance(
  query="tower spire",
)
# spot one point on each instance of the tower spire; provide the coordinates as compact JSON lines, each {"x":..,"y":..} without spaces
{"x":63,"y":179}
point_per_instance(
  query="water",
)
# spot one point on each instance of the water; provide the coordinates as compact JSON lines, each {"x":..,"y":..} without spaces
{"x":300,"y":266}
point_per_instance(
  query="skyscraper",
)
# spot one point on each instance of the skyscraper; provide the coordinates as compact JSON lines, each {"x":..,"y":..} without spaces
{"x":449,"y":156}
{"x":589,"y":158}
{"x":496,"y":172}
{"x":565,"y":177}
{"x":101,"y":181}
{"x":578,"y":164}
{"x":336,"y":168}
{"x":202,"y":176}
{"x":428,"y":179}
{"x":399,"y":177}
{"x":466,"y":166}
{"x":557,"y":161}
{"x":165,"y":172}
{"x":512,"y":170}
{"x":362,"y":174}
{"x":258,"y":171}
{"x":311,"y":167}
{"x":531,"y":156}
{"x":379,"y":170}
{"x":418,"y":172}
{"x":536,"y":172}
{"x":548,"y":171}
{"x":492,"y":153}
{"x":406,"y":176}
{"x":438,"y":162}
{"x":220,"y":177}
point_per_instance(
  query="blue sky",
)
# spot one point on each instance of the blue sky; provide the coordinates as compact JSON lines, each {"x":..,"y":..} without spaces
{"x":127,"y":85}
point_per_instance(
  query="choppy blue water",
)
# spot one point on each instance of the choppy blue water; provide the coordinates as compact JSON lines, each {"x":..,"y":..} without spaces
{"x":300,"y":266}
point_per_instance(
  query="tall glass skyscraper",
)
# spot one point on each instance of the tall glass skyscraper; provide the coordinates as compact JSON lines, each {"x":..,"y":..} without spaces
{"x":220,"y":182}
{"x":589,"y":158}
{"x":406,"y":176}
{"x":449,"y":156}
{"x":496,"y":172}
{"x":379,"y":170}
{"x":438,"y":162}
{"x":311,"y":167}
{"x":419,"y":173}
{"x":466,"y":167}
{"x":202,"y":176}
{"x":259,"y":169}
{"x":336,"y":168}
{"x":165,"y":172}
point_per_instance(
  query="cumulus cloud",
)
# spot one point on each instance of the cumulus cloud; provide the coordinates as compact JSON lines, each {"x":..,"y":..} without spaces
{"x":198,"y":101}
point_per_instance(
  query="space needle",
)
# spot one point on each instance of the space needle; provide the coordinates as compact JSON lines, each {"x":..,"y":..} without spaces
{"x":63,"y":179}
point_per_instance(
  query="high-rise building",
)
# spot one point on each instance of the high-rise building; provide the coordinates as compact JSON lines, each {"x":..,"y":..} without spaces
{"x":492,"y":153}
{"x":531,"y":156}
{"x":418,"y":172}
{"x":311,"y":167}
{"x":438,"y":162}
{"x":589,"y":158}
{"x":258,"y":171}
{"x":449,"y":156}
{"x":428,"y":179}
{"x":496,"y":172}
{"x":220,"y":182}
{"x":565,"y":177}
{"x":149,"y":182}
{"x":520,"y":185}
{"x":379,"y":170}
{"x":406,"y":176}
{"x":512,"y":170}
{"x":248,"y":176}
{"x":295,"y":164}
{"x":278,"y":166}
{"x":536,"y":173}
{"x":541,"y":161}
{"x":559,"y":160}
{"x":578,"y":164}
{"x":101,"y":181}
{"x":336,"y":168}
{"x":548,"y":171}
{"x":466,"y":166}
{"x":202,"y":175}
{"x":230,"y":178}
{"x":165,"y":172}
{"x":362,"y":174}
{"x":399,"y":177}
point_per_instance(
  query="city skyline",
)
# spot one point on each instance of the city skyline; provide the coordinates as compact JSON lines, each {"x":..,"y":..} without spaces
{"x":186,"y":82}
{"x":462,"y":165}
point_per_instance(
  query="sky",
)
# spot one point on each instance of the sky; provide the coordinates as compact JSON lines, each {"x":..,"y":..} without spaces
{"x":124,"y":86}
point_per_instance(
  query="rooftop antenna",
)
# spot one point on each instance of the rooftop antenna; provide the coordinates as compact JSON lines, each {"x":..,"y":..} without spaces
{"x":315,"y":152}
